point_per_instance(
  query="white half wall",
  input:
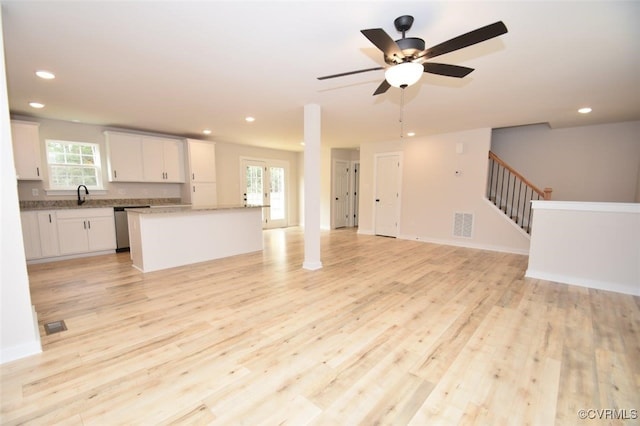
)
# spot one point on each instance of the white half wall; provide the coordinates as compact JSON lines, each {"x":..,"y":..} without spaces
{"x":594,"y":245}
{"x":432,"y":191}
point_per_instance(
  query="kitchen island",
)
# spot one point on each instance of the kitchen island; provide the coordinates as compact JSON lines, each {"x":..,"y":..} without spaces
{"x":167,"y":237}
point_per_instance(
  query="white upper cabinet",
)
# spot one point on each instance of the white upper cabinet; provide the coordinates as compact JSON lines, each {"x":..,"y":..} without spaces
{"x":26,"y":150}
{"x":139,"y":158}
{"x":163,"y":159}
{"x":201,"y":176}
{"x":203,"y":161}
{"x":124,"y":157}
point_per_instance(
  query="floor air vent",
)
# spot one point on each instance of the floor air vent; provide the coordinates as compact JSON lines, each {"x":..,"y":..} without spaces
{"x":462,"y":224}
{"x":54,"y":327}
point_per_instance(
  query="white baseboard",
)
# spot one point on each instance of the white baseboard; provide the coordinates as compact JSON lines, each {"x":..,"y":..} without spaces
{"x":630,"y":288}
{"x":466,"y":244}
{"x":69,"y":256}
{"x":311,"y":266}
{"x":25,"y":349}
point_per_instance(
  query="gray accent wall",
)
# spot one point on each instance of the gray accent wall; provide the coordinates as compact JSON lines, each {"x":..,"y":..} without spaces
{"x":598,"y":163}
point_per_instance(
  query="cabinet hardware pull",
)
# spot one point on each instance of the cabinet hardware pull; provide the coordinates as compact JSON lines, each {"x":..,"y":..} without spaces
{"x":193,"y":176}
{"x":38,"y":171}
{"x":84,"y":224}
{"x":115,"y":174}
{"x":89,"y":222}
{"x":49,"y":217}
{"x":194,"y":188}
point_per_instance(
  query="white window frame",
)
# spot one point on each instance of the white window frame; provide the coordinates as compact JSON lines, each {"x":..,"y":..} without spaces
{"x":97,"y":166}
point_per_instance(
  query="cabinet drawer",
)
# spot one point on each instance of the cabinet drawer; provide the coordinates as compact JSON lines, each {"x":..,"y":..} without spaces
{"x":84,"y":213}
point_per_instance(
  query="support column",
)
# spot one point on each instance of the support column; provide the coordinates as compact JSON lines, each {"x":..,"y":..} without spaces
{"x":312,"y":187}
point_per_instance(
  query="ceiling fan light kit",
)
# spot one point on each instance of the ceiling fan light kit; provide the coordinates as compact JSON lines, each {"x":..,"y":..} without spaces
{"x":407,"y":57}
{"x":404,"y":74}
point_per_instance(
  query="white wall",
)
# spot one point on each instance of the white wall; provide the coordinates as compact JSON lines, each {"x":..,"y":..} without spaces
{"x":588,"y":163}
{"x":83,"y":132}
{"x":228,"y":173}
{"x":227,"y":168}
{"x":432,"y":192}
{"x":19,"y":336}
{"x":593,"y":245}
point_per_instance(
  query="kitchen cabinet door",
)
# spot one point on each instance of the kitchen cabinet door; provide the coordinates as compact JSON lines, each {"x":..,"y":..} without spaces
{"x":163,"y":160}
{"x":173,"y":160}
{"x":124,"y":157}
{"x":153,"y":159}
{"x":204,"y":194}
{"x":86,"y":230}
{"x":203,"y":161}
{"x":26,"y":150}
{"x":101,"y":233}
{"x":30,"y":235}
{"x":47,"y":224}
{"x":72,"y":235}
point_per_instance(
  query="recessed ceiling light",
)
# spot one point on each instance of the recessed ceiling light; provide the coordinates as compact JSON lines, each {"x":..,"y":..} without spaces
{"x":36,"y":105}
{"x":46,"y":75}
{"x":250,"y":119}
{"x":206,"y":131}
{"x":585,"y":110}
{"x":410,"y":134}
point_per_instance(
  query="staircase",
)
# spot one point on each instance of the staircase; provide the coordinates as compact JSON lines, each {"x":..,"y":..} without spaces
{"x":512,"y":193}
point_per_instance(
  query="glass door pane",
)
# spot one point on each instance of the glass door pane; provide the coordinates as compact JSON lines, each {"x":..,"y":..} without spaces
{"x":254,"y":179}
{"x":276,"y":193}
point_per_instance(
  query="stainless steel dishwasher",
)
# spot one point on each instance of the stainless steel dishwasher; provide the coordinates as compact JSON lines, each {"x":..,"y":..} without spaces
{"x":122,"y":226}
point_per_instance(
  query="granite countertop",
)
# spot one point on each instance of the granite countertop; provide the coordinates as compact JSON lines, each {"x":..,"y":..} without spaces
{"x":191,"y":209}
{"x":98,"y":203}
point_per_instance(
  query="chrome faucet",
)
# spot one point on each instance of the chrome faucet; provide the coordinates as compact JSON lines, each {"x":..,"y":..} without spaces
{"x":86,"y":191}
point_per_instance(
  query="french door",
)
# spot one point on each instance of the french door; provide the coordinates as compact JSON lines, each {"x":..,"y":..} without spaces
{"x":264,"y":183}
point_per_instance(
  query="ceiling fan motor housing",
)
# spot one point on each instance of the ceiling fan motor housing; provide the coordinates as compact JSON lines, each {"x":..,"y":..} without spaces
{"x":410,"y":46}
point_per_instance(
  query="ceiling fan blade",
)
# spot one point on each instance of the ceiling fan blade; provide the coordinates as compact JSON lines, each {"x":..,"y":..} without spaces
{"x":342,"y":74}
{"x":468,"y":39}
{"x":383,"y":41}
{"x":384,"y":86}
{"x":446,"y":69}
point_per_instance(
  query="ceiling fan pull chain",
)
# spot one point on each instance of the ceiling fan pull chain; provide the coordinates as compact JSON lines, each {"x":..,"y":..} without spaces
{"x":401,"y":112}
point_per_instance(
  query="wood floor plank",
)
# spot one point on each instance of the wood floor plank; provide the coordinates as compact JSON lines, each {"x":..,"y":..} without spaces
{"x":388,"y":332}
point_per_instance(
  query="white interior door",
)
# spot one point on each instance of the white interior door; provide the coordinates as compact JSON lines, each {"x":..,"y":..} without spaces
{"x":387,"y":194}
{"x":355,"y":199}
{"x":340,"y":193}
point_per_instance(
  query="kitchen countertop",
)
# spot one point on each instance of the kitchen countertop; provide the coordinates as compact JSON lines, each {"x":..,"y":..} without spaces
{"x":190,"y":209}
{"x":98,"y":203}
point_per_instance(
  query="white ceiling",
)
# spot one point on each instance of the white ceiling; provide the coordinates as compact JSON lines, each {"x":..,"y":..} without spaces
{"x":178,"y":67}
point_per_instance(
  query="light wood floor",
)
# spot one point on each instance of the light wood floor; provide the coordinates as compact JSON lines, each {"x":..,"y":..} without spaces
{"x":388,"y":332}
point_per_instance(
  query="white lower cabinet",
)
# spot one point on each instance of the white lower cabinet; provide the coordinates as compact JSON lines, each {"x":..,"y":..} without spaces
{"x":40,"y":234}
{"x":47,"y":226}
{"x":30,"y":235}
{"x":86,"y":230}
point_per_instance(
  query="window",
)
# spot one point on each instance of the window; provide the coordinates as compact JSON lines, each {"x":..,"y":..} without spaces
{"x":73,"y":163}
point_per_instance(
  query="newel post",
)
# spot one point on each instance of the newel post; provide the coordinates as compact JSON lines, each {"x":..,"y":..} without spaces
{"x":547,"y":193}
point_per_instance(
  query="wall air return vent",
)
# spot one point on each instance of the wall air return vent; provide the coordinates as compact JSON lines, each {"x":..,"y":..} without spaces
{"x":462,"y":225}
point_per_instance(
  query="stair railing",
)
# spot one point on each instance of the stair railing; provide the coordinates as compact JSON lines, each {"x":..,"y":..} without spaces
{"x":512,"y":193}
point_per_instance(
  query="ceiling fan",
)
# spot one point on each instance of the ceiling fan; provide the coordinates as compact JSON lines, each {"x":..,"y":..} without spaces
{"x":408,"y":57}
